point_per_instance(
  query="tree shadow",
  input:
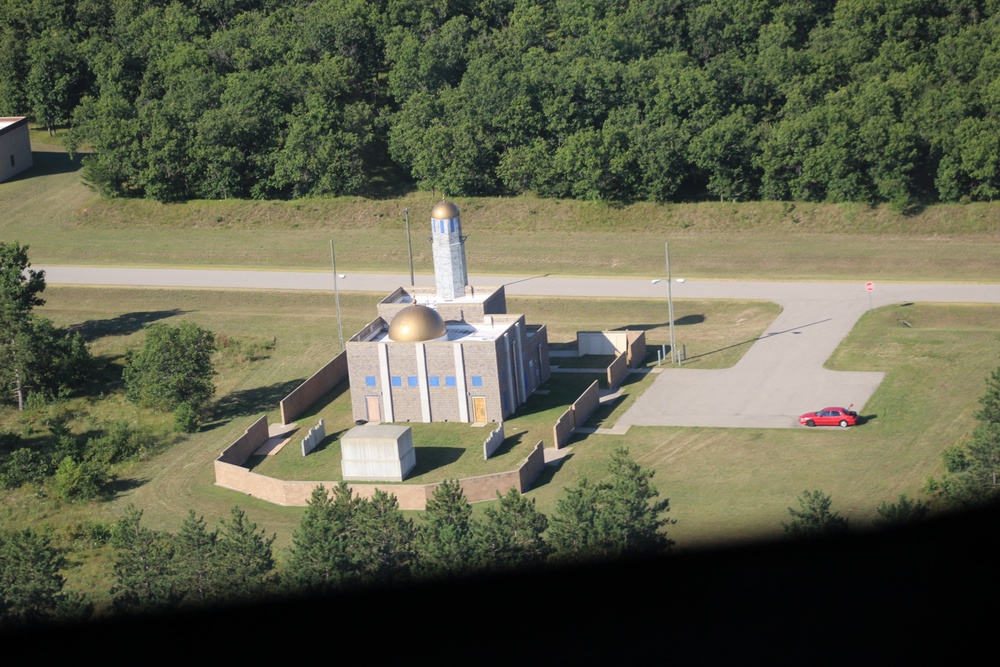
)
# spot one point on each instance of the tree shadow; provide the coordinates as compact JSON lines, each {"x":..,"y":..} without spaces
{"x":118,"y":486}
{"x":688,"y":320}
{"x":122,"y":325}
{"x":249,"y":402}
{"x":432,"y":458}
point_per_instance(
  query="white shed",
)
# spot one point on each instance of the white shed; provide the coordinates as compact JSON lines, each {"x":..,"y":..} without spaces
{"x":15,"y":146}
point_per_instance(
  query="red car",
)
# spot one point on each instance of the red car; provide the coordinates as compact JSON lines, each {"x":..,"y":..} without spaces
{"x":842,"y":417}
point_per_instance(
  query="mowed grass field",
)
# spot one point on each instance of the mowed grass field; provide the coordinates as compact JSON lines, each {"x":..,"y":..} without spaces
{"x":724,"y":484}
{"x":65,"y":223}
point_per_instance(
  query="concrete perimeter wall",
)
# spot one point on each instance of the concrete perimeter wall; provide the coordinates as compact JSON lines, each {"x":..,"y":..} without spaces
{"x":313,"y":389}
{"x":617,"y":371}
{"x":251,"y":440}
{"x":576,"y":415}
{"x":410,"y":496}
{"x":636,"y":347}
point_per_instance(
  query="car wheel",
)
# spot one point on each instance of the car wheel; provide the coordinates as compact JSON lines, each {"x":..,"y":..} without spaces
{"x":843,"y":423}
{"x":810,"y":422}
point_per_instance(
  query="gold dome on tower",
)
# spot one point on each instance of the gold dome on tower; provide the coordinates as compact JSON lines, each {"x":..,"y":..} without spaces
{"x":415,"y":324}
{"x":444,"y":210}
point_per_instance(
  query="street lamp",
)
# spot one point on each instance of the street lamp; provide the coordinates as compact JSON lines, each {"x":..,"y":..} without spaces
{"x":409,"y":245}
{"x":670,"y":308}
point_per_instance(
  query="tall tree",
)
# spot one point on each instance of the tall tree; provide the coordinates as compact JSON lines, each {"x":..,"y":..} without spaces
{"x":900,"y":513}
{"x":196,"y":561}
{"x":511,"y":535}
{"x":31,"y":587}
{"x":174,"y":366}
{"x":620,"y":516}
{"x":321,"y":557}
{"x":974,"y":467}
{"x":145,"y":578}
{"x":445,"y":537}
{"x":385,"y":541}
{"x":813,"y":518}
{"x":245,"y":557}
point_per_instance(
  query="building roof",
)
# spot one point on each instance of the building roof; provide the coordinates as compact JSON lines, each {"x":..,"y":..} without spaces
{"x":8,"y":123}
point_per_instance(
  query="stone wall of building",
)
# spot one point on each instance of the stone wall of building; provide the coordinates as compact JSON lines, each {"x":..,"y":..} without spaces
{"x":15,"y":147}
{"x":313,"y":389}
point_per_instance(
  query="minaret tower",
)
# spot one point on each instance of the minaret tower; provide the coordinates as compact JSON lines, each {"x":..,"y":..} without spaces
{"x":448,"y":244}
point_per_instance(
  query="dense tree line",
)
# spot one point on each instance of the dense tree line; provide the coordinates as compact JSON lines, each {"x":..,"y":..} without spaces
{"x":817,"y":100}
{"x":342,"y":541}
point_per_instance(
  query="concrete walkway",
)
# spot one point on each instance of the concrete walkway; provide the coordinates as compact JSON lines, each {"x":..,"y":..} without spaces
{"x":780,"y":376}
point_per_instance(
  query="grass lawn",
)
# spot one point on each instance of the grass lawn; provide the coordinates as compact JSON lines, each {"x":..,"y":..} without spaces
{"x":50,"y":209}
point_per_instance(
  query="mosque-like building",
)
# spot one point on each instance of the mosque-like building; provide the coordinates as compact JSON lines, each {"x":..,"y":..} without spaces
{"x":451,"y":353}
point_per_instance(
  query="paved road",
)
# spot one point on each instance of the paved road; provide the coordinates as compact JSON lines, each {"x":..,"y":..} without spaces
{"x":780,"y":377}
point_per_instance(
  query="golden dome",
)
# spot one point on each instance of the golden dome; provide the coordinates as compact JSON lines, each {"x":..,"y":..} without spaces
{"x":416,"y":323}
{"x":445,"y":210}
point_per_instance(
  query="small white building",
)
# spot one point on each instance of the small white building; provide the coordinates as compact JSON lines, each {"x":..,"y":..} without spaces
{"x":15,"y":146}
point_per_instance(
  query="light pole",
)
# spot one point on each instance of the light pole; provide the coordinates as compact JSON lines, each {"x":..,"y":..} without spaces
{"x":409,"y":245}
{"x":336,"y":296}
{"x":670,"y":307}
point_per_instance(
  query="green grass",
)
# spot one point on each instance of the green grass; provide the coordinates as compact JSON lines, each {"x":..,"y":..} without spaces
{"x":65,"y":223}
{"x":736,"y":484}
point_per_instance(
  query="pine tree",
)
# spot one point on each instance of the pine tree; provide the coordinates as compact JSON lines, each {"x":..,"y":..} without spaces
{"x":31,"y":588}
{"x":621,"y":516}
{"x":510,"y":536}
{"x":891,"y":515}
{"x":196,"y":562}
{"x":814,"y":518}
{"x":145,"y":579}
{"x":385,"y":540}
{"x":445,"y":538}
{"x":245,"y":556}
{"x":321,"y":556}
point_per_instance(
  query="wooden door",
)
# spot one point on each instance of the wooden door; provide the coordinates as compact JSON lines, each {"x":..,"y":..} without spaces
{"x":374,"y":408}
{"x":479,"y":408}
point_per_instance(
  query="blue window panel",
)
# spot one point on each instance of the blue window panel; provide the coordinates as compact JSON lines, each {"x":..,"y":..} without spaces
{"x":449,"y":381}
{"x":434,"y":381}
{"x":369,"y":380}
{"x":397,"y":381}
{"x":477,"y":380}
{"x":452,"y":221}
{"x":411,"y":380}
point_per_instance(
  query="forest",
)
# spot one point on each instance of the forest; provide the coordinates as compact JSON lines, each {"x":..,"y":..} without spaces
{"x":614,"y":100}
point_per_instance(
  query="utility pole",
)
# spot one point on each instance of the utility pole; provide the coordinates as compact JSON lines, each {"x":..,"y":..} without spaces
{"x":674,"y":356}
{"x":409,"y":244}
{"x":336,"y":296}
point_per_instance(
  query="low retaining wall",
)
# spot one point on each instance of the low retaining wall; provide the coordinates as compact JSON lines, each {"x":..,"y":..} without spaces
{"x":576,"y":415}
{"x":313,"y":389}
{"x":636,"y":348}
{"x":232,"y":475}
{"x":494,"y":440}
{"x":248,"y":443}
{"x":617,"y":371}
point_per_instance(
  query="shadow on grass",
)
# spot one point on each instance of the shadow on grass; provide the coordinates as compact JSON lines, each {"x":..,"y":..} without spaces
{"x":549,"y":472}
{"x":44,"y":163}
{"x":562,"y":392}
{"x":119,"y":486}
{"x":432,"y":458}
{"x":603,"y":413}
{"x":249,"y":402}
{"x":123,"y":325}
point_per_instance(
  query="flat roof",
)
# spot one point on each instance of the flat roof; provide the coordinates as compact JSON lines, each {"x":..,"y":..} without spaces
{"x":8,"y":123}
{"x":456,"y":331}
{"x":428,"y":296}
